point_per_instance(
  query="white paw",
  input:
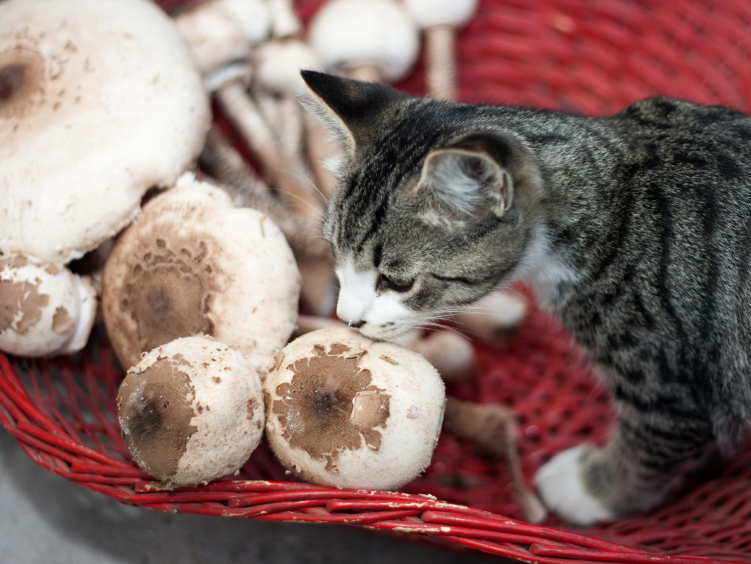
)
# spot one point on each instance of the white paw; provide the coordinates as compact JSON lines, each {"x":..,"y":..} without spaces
{"x":561,"y":488}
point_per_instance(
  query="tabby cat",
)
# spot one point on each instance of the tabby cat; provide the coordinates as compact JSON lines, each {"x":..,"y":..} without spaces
{"x":634,"y":230}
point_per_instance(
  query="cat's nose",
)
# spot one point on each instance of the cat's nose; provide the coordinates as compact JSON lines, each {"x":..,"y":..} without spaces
{"x":356,"y":324}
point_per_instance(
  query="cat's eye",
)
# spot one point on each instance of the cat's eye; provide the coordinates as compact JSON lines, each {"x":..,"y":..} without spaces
{"x":386,"y":283}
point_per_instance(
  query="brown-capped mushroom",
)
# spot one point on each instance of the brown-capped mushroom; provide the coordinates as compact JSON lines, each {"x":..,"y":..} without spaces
{"x":193,"y":264}
{"x":191,"y":411}
{"x":99,"y":101}
{"x":345,"y":411}
{"x":44,"y":308}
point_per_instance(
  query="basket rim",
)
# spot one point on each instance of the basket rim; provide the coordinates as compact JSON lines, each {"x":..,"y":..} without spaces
{"x":417,"y":514}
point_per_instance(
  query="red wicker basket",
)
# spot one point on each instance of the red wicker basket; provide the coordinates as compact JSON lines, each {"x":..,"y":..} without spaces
{"x":592,"y":56}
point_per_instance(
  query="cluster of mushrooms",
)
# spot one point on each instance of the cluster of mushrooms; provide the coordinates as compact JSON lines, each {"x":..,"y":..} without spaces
{"x":122,"y":203}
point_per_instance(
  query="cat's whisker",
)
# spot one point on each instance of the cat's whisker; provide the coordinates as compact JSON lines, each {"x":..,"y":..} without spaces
{"x":302,"y":176}
{"x":317,"y":211}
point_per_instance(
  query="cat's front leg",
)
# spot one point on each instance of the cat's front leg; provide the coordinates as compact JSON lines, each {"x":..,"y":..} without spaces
{"x":645,"y":457}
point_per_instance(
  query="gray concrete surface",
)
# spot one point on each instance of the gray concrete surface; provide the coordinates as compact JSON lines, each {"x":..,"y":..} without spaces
{"x":44,"y":519}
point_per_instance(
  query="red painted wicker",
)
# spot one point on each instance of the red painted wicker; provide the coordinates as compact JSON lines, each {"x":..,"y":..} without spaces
{"x":593,"y":56}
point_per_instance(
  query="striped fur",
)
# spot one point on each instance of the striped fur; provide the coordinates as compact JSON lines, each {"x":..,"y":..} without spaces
{"x":633,"y":229}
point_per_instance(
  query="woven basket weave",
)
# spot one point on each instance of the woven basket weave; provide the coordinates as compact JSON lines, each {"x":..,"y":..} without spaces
{"x":589,"y":56}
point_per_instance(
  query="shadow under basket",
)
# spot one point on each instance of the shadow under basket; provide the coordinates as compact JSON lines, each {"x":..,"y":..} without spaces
{"x":587,"y":56}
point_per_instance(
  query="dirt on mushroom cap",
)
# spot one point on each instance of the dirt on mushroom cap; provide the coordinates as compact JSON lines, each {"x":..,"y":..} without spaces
{"x":322,"y":396}
{"x":156,"y":424}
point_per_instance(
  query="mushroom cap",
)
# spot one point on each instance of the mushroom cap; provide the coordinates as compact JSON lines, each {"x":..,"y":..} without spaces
{"x":350,"y":33}
{"x":99,"y":101}
{"x":44,"y":309}
{"x":193,"y":264}
{"x":278,"y":65}
{"x":345,"y":411}
{"x":219,"y":32}
{"x":191,"y":411}
{"x":428,"y":13}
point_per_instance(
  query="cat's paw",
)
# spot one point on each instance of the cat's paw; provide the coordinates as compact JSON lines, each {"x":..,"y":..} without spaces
{"x":562,"y":489}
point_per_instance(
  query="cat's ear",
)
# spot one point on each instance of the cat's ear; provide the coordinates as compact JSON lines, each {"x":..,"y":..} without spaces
{"x":466,"y":183}
{"x":352,"y":110}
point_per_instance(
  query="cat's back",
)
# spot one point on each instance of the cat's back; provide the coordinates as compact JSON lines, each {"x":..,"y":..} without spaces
{"x":689,"y":140}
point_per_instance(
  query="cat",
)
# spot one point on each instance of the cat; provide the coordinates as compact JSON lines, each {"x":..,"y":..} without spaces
{"x":633,"y":229}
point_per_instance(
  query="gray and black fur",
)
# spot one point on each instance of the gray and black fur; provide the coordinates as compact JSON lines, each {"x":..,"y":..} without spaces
{"x":634,"y":229}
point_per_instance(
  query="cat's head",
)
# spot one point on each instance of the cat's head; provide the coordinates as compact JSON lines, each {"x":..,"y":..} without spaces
{"x":433,"y":206}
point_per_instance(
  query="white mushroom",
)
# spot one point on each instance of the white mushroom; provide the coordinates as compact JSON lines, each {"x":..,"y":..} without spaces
{"x":439,"y":20}
{"x":44,"y":309}
{"x":220,"y":32}
{"x":496,"y":318}
{"x":191,"y":411}
{"x":372,"y":40}
{"x":451,"y":354}
{"x":192,"y":264}
{"x":285,"y":22}
{"x":99,"y":101}
{"x":345,"y":411}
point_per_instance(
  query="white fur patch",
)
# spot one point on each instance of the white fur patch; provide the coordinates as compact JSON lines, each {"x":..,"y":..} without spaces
{"x":383,"y":313}
{"x":561,"y":488}
{"x":357,"y":292}
{"x":543,"y":270}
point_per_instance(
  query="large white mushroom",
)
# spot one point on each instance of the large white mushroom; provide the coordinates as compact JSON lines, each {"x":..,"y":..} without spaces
{"x":372,"y":40}
{"x":99,"y":101}
{"x":345,"y":411}
{"x":193,"y":264}
{"x":44,"y":309}
{"x":191,"y":411}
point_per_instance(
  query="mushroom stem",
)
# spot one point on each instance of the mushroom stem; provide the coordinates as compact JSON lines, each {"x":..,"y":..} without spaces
{"x":490,"y":428}
{"x":320,"y":148}
{"x":221,"y":160}
{"x":318,"y":290}
{"x":246,"y":117}
{"x":440,"y":69}
{"x":284,"y":21}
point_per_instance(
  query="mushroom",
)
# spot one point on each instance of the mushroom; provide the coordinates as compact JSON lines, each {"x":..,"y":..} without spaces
{"x":99,"y":101}
{"x":496,"y":318}
{"x":44,"y":309}
{"x":450,"y":353}
{"x":348,"y":412}
{"x":191,"y":411}
{"x":371,"y":40}
{"x":439,"y":20}
{"x":220,"y":32}
{"x":192,"y":264}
